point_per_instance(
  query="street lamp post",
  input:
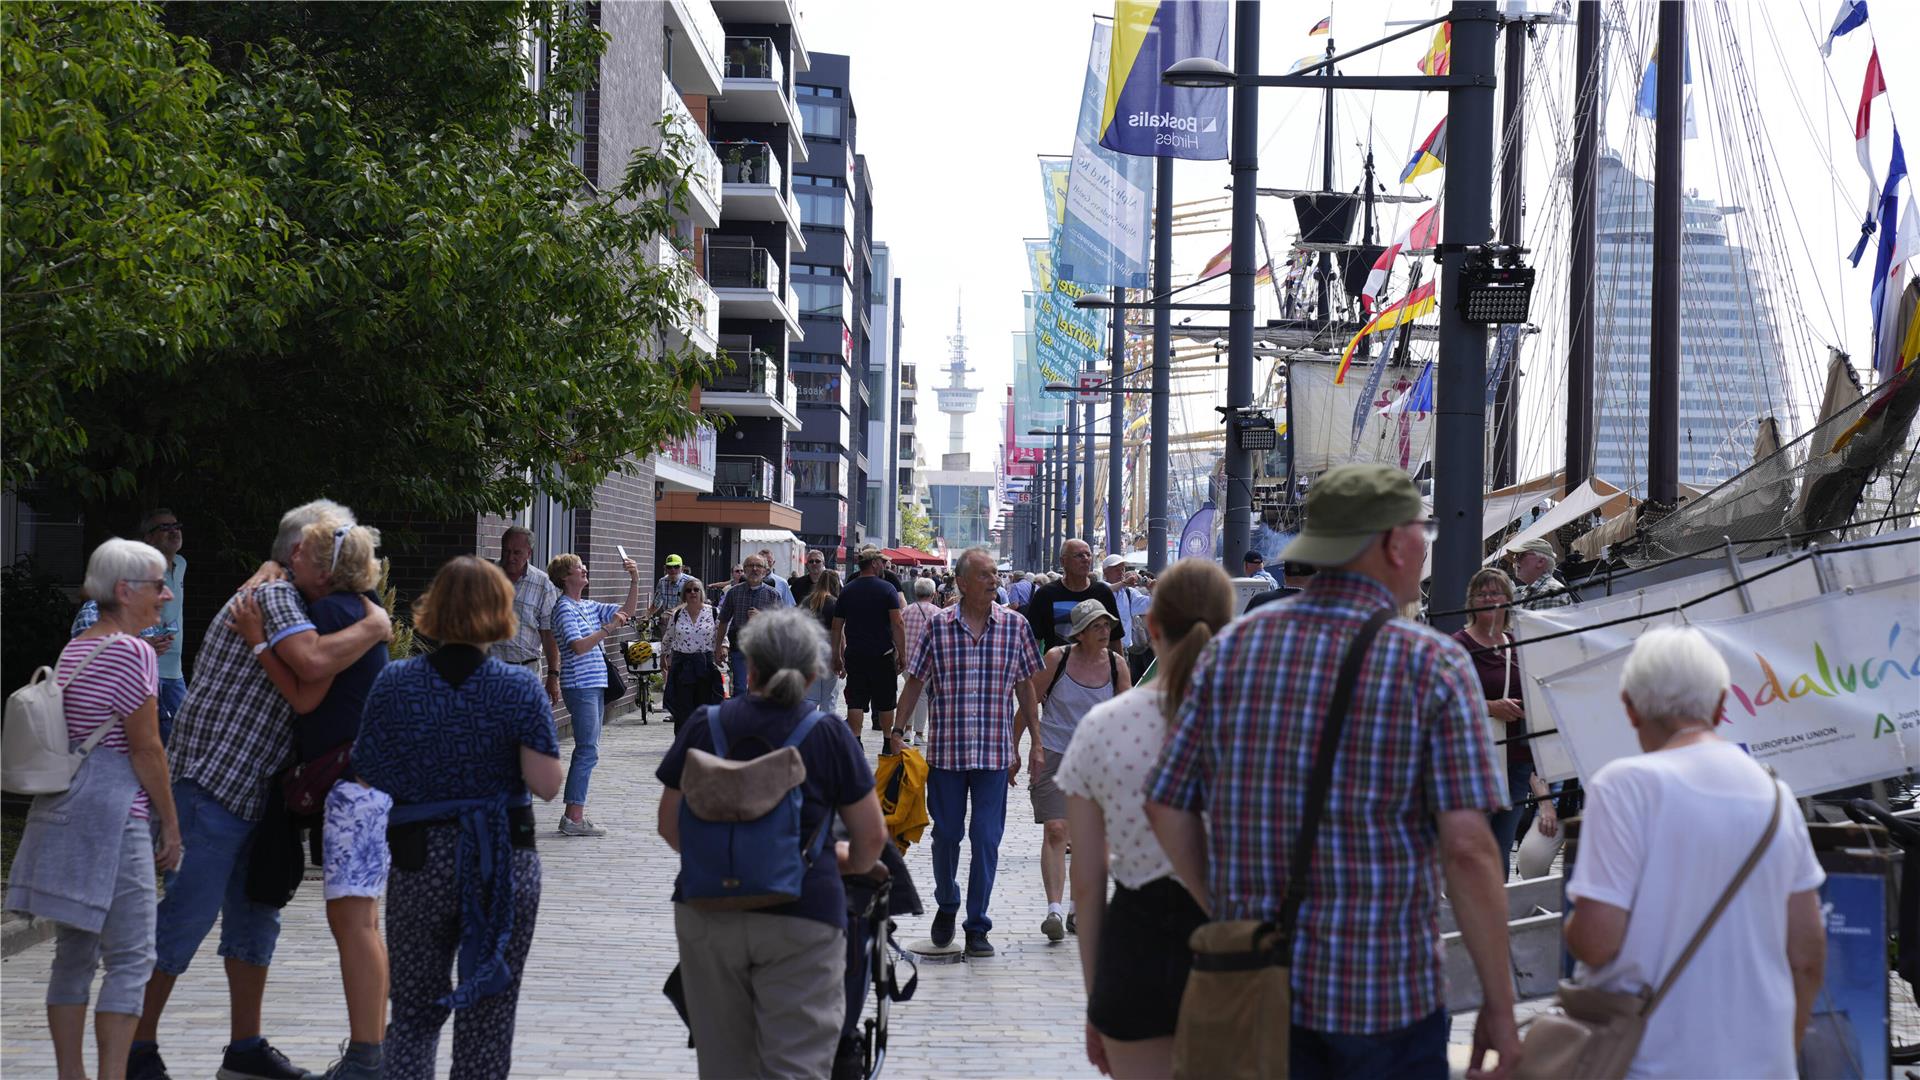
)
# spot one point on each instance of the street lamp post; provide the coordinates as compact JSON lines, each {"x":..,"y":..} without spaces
{"x":1116,"y":425}
{"x":1157,"y":446}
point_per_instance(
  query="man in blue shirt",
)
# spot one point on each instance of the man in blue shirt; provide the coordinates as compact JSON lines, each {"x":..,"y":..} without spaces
{"x":1020,"y":591}
{"x":869,"y":641}
{"x":778,"y":582}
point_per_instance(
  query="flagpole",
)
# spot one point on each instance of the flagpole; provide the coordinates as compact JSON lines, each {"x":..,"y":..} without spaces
{"x":1586,"y":142}
{"x":1506,"y":436}
{"x":1157,"y":448}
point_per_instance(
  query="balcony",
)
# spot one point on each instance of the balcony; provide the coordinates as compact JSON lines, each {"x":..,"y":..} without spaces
{"x":687,"y":463}
{"x":703,"y":185}
{"x":702,"y":331}
{"x":697,"y":44}
{"x":746,"y":478}
{"x":748,"y":281}
{"x":754,"y":88}
{"x":755,"y":187}
{"x":755,"y":387}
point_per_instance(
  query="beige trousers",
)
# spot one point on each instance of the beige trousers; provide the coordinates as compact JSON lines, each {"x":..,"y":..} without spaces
{"x":766,"y":994}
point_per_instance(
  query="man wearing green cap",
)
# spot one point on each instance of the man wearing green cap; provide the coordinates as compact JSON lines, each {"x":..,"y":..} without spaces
{"x":666,"y":591}
{"x":1413,"y":780}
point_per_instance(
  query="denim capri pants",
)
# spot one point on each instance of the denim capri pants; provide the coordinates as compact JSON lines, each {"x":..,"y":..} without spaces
{"x":124,"y":943}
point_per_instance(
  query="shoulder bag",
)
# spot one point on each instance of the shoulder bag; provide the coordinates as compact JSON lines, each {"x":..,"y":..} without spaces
{"x":1594,"y":1034}
{"x":1237,"y":1013}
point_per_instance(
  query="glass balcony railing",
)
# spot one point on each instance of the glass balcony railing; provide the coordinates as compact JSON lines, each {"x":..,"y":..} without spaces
{"x":708,"y":321}
{"x":706,"y":28}
{"x":749,"y":162}
{"x":706,"y":163}
{"x":754,"y":372}
{"x":754,"y":58}
{"x":743,"y":267}
{"x":745,"y":477}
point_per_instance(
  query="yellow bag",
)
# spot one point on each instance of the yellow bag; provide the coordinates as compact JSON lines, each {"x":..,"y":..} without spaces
{"x":901,"y":780}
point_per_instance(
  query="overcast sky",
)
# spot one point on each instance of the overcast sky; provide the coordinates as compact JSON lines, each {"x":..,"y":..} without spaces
{"x":956,"y":102}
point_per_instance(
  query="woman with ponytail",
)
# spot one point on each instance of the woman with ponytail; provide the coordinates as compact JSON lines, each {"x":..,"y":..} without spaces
{"x":765,"y":987}
{"x":1133,"y":953}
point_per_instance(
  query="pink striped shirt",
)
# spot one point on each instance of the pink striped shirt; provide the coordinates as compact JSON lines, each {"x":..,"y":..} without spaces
{"x":122,"y":678}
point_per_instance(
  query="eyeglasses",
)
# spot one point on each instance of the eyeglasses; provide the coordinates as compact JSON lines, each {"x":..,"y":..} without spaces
{"x":166,"y":527}
{"x":1428,"y":528}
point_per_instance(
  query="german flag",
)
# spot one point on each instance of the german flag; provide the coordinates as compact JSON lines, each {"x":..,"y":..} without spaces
{"x":1324,"y":26}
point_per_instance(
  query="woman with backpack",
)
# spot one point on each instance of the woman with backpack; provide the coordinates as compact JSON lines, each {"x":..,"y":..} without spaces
{"x":1077,"y":677}
{"x":763,"y":939}
{"x":87,"y":858}
{"x":1135,"y":970}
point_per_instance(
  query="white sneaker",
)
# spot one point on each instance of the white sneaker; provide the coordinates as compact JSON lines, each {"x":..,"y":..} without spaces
{"x":583,"y":827}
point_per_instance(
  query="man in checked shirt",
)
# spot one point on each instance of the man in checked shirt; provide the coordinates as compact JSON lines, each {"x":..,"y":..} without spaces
{"x":1413,"y":781}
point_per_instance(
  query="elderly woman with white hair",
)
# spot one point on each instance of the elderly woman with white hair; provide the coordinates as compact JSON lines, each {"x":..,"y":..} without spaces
{"x":87,"y":858}
{"x":764,"y":986}
{"x":915,"y":618}
{"x":1664,"y":836}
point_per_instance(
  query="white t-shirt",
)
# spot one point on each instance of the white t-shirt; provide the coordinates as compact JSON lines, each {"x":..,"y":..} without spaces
{"x":1662,"y":836}
{"x":1113,"y":751}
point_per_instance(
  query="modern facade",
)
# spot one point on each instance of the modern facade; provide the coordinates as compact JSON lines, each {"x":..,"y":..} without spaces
{"x":744,"y":253}
{"x":880,"y":506}
{"x":831,"y":272}
{"x":961,"y":506}
{"x":1732,"y":373}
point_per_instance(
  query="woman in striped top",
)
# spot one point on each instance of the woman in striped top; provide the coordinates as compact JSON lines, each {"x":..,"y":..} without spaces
{"x":87,"y":858}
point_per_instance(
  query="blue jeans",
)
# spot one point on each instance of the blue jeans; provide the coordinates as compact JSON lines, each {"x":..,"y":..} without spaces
{"x":1417,"y":1050}
{"x":948,"y":792}
{"x":589,"y":709}
{"x":211,"y":881}
{"x":1506,"y":823}
{"x":736,"y":673}
{"x":172,"y":693}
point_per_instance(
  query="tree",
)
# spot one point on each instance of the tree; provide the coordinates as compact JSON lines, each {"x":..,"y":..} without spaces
{"x":407,"y":295}
{"x":915,"y":530}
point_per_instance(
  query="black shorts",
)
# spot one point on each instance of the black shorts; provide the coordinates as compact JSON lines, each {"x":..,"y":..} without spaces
{"x":872,"y":682}
{"x":1141,"y":971}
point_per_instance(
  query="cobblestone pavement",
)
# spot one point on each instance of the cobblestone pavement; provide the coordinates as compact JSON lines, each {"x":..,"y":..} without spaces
{"x":591,"y":1003}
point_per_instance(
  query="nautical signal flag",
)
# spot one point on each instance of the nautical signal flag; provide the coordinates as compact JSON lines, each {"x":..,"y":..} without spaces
{"x":1852,"y":16}
{"x":1324,"y":26}
{"x":1439,"y":58}
{"x":1424,"y":233}
{"x":1875,"y":86}
{"x":1410,"y":307}
{"x":1431,"y":156}
{"x":1899,"y":242}
{"x":1223,"y":263}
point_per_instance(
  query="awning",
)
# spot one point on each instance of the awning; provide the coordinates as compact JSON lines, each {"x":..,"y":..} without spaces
{"x":922,"y":558}
{"x":767,"y":536}
{"x":1595,"y":494}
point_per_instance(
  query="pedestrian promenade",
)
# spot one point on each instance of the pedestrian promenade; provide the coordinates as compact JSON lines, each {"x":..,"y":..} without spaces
{"x":591,"y":1004}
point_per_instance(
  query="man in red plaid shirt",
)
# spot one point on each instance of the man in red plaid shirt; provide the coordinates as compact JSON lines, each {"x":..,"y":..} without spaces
{"x":973,"y":662}
{"x":1413,"y":781}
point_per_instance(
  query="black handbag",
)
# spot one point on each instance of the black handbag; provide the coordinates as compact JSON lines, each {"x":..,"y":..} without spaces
{"x":616,"y":681}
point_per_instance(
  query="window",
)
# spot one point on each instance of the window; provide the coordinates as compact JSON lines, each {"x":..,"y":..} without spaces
{"x":816,"y":269}
{"x":802,"y":447}
{"x":818,"y":387}
{"x":805,"y":90}
{"x":817,"y":477}
{"x":806,"y":180}
{"x":824,"y":209}
{"x":821,"y":299}
{"x":820,"y":120}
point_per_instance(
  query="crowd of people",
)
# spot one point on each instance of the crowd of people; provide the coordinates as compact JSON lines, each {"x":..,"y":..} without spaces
{"x":1173,"y":744}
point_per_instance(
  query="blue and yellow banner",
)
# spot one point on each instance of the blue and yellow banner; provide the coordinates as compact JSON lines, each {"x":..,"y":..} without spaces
{"x":1103,"y":239}
{"x":1066,"y":339}
{"x":1033,"y":406}
{"x":1141,"y":114}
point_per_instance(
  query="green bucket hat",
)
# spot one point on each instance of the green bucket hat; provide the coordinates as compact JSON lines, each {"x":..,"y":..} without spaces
{"x":1347,"y":507}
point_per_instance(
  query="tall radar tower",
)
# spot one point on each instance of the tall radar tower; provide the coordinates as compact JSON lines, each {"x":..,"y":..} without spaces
{"x":957,"y":399}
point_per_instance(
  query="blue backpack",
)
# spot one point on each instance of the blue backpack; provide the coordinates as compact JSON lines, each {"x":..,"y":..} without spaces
{"x":740,"y":843}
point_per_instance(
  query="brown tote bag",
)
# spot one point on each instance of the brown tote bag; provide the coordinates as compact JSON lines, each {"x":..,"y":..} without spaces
{"x":1594,"y":1034}
{"x":1237,"y":1012}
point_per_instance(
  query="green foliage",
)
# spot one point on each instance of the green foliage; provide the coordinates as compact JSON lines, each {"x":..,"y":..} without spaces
{"x":39,"y":613}
{"x":915,"y":530}
{"x":267,"y":251}
{"x":405,"y":641}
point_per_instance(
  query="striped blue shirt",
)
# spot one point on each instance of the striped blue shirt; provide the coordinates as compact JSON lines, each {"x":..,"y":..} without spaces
{"x":573,"y":620}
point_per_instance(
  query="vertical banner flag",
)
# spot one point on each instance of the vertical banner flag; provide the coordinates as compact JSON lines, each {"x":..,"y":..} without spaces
{"x":1141,"y":114}
{"x":1196,"y":540}
{"x":1033,"y":406}
{"x":1643,"y":102}
{"x":1103,"y":241}
{"x":1066,"y":339}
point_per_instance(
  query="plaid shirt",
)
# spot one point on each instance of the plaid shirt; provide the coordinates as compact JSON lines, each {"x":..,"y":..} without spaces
{"x":1547,"y":591}
{"x":741,"y":602}
{"x":915,"y":617}
{"x":969,"y":686}
{"x":1368,"y":956}
{"x":234,"y":730}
